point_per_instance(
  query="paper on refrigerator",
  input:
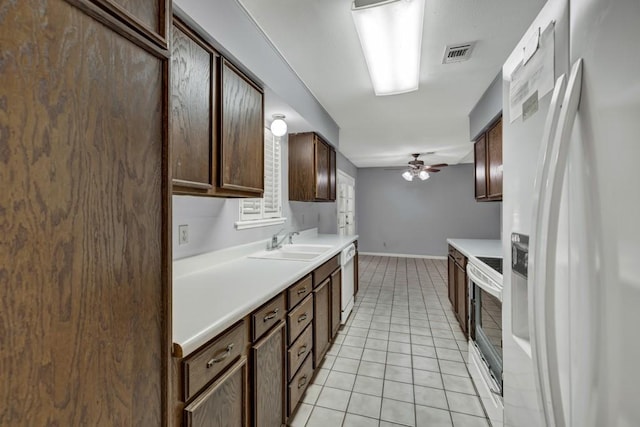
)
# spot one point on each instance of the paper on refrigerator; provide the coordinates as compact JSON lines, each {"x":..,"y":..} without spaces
{"x":533,"y":77}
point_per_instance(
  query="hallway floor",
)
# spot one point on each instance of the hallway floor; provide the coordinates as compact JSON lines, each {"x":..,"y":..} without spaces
{"x":400,"y":359}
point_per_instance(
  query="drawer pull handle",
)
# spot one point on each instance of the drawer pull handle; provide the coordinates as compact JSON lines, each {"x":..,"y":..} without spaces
{"x":302,"y":317}
{"x":220,"y":356}
{"x":302,"y":382}
{"x":271,"y":315}
{"x":302,"y":291}
{"x":302,"y":350}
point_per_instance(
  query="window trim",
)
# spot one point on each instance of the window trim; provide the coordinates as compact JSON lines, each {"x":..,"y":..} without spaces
{"x":263,"y":219}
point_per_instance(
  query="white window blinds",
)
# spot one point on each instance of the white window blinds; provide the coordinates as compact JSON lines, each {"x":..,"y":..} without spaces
{"x":270,"y":205}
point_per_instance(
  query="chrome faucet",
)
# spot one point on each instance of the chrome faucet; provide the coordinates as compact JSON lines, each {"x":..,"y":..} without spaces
{"x":277,"y":244}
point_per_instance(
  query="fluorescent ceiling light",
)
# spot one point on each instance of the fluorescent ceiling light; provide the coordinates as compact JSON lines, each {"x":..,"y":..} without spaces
{"x":390,"y":33}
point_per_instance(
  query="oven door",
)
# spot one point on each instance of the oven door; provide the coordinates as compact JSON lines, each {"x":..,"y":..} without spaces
{"x":486,"y":324}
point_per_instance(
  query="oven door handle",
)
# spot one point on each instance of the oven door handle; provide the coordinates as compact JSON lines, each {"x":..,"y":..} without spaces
{"x":484,"y":284}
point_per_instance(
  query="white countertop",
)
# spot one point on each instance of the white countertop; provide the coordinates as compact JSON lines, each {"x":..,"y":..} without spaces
{"x":473,"y":248}
{"x":213,"y":291}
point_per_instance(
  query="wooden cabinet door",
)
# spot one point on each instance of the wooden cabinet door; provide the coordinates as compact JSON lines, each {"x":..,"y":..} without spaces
{"x":322,"y":170}
{"x":480,"y":161}
{"x":321,"y":321}
{"x":148,"y":16}
{"x":222,"y":404}
{"x":242,"y":133}
{"x":193,"y":110}
{"x":83,"y":206}
{"x":332,"y":175}
{"x":494,"y":161}
{"x":336,"y":300}
{"x":462,"y":298}
{"x":302,"y":181}
{"x":269,"y":378}
{"x":451,"y":278}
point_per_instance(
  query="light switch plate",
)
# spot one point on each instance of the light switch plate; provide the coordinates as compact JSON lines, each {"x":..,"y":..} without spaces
{"x":183,"y":234}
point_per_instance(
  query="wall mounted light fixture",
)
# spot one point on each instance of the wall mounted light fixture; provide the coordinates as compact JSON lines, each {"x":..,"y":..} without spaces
{"x":278,"y":125}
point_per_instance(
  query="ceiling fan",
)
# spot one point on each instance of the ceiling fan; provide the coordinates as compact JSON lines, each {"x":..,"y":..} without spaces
{"x":418,"y":168}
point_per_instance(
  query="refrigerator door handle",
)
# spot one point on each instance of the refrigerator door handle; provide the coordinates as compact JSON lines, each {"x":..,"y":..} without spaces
{"x":537,"y":244}
{"x":547,"y":267}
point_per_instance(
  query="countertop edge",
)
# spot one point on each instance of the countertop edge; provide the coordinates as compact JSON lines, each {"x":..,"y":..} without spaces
{"x":202,"y":337}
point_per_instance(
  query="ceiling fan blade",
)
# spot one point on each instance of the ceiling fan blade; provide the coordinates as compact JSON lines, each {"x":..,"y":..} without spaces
{"x":432,"y":170}
{"x":439,"y":165}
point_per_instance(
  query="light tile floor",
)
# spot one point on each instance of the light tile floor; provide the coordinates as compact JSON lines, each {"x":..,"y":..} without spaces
{"x":401,"y":358}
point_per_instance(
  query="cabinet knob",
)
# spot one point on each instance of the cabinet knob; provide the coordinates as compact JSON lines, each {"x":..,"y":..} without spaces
{"x":302,"y":382}
{"x":302,"y":291}
{"x":302,"y":317}
{"x":302,"y":350}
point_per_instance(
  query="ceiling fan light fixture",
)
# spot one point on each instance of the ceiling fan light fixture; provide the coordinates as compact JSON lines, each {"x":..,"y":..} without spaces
{"x":390,"y":33}
{"x":407,"y":175}
{"x":278,"y":125}
{"x":423,"y":175}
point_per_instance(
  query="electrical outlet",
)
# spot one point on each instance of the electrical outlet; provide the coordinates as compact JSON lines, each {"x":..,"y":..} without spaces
{"x":183,"y":234}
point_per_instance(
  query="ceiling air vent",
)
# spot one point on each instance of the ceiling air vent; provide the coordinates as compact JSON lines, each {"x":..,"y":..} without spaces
{"x":458,"y":52}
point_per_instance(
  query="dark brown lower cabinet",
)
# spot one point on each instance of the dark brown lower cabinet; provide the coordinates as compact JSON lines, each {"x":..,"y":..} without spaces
{"x":336,"y":299}
{"x":458,"y":288}
{"x":451,"y":274}
{"x":321,"y":321}
{"x":462,"y":299}
{"x":269,"y":378}
{"x":224,"y":403}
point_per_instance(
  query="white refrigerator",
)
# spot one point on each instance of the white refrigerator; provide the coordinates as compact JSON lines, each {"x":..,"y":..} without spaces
{"x":570,"y":337}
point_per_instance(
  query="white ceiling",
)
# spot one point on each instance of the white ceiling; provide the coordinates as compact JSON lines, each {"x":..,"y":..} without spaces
{"x":319,"y":40}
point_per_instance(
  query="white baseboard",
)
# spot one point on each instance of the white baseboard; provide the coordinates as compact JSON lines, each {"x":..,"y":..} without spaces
{"x":402,"y":255}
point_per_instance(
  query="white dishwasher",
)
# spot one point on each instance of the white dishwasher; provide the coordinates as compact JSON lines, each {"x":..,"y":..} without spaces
{"x":346,"y":261}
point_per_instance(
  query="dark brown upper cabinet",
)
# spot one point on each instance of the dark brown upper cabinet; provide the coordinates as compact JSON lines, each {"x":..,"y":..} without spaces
{"x":488,"y":163}
{"x":312,"y":169}
{"x":217,"y":130}
{"x":148,"y":17}
{"x":242,"y":139}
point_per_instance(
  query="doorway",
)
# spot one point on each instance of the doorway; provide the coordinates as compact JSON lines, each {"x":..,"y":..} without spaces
{"x":346,"y":204}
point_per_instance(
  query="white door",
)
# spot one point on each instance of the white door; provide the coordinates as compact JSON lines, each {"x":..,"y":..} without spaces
{"x":346,"y":204}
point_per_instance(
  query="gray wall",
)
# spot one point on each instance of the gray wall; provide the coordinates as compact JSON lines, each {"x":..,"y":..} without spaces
{"x":416,"y":218}
{"x":211,"y":219}
{"x":487,"y":109}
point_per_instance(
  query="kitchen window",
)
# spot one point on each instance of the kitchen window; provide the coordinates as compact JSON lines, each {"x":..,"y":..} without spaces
{"x":268,"y":209}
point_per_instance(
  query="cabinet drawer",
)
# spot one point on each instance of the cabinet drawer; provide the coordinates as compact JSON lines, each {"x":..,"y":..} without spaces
{"x":299,"y":350}
{"x":461,"y":260}
{"x":452,"y":251}
{"x":207,"y":363}
{"x":322,"y":272}
{"x":267,"y":316}
{"x":299,"y":383}
{"x":299,"y":291}
{"x":223,"y":403}
{"x":299,"y":318}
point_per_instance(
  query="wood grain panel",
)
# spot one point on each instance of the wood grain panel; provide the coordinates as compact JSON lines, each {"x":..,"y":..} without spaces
{"x":332,"y":175}
{"x":242,"y":133}
{"x":82,"y":215}
{"x":267,"y":316}
{"x":269,"y":379}
{"x":462,"y":298}
{"x":336,"y":301}
{"x":224,"y":403}
{"x":149,"y":17}
{"x":299,"y":351}
{"x":302,"y":182}
{"x":207,"y":363}
{"x":192,"y":108}
{"x":322,"y":170}
{"x":494,"y":154}
{"x":451,"y":277}
{"x":480,"y":161}
{"x":321,"y":326}
{"x":299,"y":318}
{"x":325,"y":270}
{"x":299,"y":291}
